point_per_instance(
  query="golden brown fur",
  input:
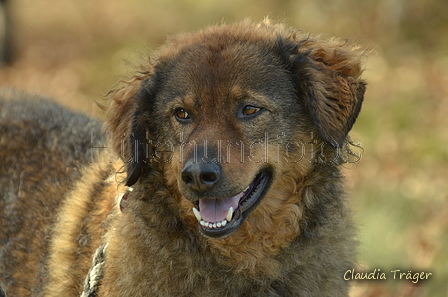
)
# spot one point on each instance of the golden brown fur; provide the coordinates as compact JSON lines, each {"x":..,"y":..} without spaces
{"x":298,"y":241}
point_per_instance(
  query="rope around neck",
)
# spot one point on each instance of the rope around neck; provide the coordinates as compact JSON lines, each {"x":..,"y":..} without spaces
{"x":93,"y":278}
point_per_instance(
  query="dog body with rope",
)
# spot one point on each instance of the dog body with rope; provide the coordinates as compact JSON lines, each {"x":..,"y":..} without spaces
{"x":231,"y":140}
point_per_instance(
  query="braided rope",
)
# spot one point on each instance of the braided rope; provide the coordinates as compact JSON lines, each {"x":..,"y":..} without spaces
{"x":93,"y":278}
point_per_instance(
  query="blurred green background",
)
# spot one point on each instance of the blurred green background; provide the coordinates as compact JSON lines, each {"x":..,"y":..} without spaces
{"x":76,"y":50}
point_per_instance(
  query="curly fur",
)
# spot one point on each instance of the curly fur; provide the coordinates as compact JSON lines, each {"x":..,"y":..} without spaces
{"x":297,"y":242}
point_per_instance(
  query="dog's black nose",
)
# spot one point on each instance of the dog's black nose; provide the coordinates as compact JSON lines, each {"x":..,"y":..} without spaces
{"x":201,"y":176}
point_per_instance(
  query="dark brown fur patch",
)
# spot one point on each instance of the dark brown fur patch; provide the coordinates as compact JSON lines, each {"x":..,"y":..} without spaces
{"x":42,"y":150}
{"x":298,"y":241}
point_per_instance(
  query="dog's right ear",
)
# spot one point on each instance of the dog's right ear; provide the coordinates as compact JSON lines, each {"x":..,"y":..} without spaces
{"x":328,"y":77}
{"x":127,"y":131}
{"x":333,"y":88}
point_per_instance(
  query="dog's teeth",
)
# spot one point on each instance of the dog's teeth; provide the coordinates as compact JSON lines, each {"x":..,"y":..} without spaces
{"x":197,"y":214}
{"x":229,"y":214}
{"x":213,"y":225}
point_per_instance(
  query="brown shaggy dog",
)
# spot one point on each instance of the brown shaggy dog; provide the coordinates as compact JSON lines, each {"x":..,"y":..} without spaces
{"x":231,"y":139}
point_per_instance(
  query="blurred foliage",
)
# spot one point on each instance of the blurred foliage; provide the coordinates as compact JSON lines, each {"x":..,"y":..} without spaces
{"x":75,"y":51}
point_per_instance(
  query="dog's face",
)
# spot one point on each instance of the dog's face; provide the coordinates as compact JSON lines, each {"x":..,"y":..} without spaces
{"x":231,"y":115}
{"x":218,"y":107}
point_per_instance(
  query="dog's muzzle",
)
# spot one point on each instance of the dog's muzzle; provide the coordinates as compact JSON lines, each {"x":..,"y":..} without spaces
{"x":221,"y":216}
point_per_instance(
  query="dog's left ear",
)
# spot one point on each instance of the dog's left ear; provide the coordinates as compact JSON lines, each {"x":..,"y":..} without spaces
{"x":127,"y":131}
{"x":329,"y":79}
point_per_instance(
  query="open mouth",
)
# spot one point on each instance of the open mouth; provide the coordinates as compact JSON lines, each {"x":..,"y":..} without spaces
{"x":223,"y":216}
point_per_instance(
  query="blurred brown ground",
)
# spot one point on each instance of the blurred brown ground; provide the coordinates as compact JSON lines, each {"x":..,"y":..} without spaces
{"x":75,"y":51}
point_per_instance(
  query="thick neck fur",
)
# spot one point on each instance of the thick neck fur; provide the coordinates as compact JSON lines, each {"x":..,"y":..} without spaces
{"x":153,"y":249}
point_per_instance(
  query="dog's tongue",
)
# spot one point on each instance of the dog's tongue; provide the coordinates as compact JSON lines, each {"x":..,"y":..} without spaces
{"x":215,"y":210}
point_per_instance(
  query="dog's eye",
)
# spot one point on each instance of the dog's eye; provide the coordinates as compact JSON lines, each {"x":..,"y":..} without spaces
{"x":250,"y":110}
{"x":181,"y":114}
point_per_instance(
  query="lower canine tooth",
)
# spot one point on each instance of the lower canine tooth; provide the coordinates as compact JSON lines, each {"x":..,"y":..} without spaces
{"x":229,"y":214}
{"x":197,"y":214}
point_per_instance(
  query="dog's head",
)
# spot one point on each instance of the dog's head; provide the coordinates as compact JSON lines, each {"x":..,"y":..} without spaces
{"x":230,"y":113}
